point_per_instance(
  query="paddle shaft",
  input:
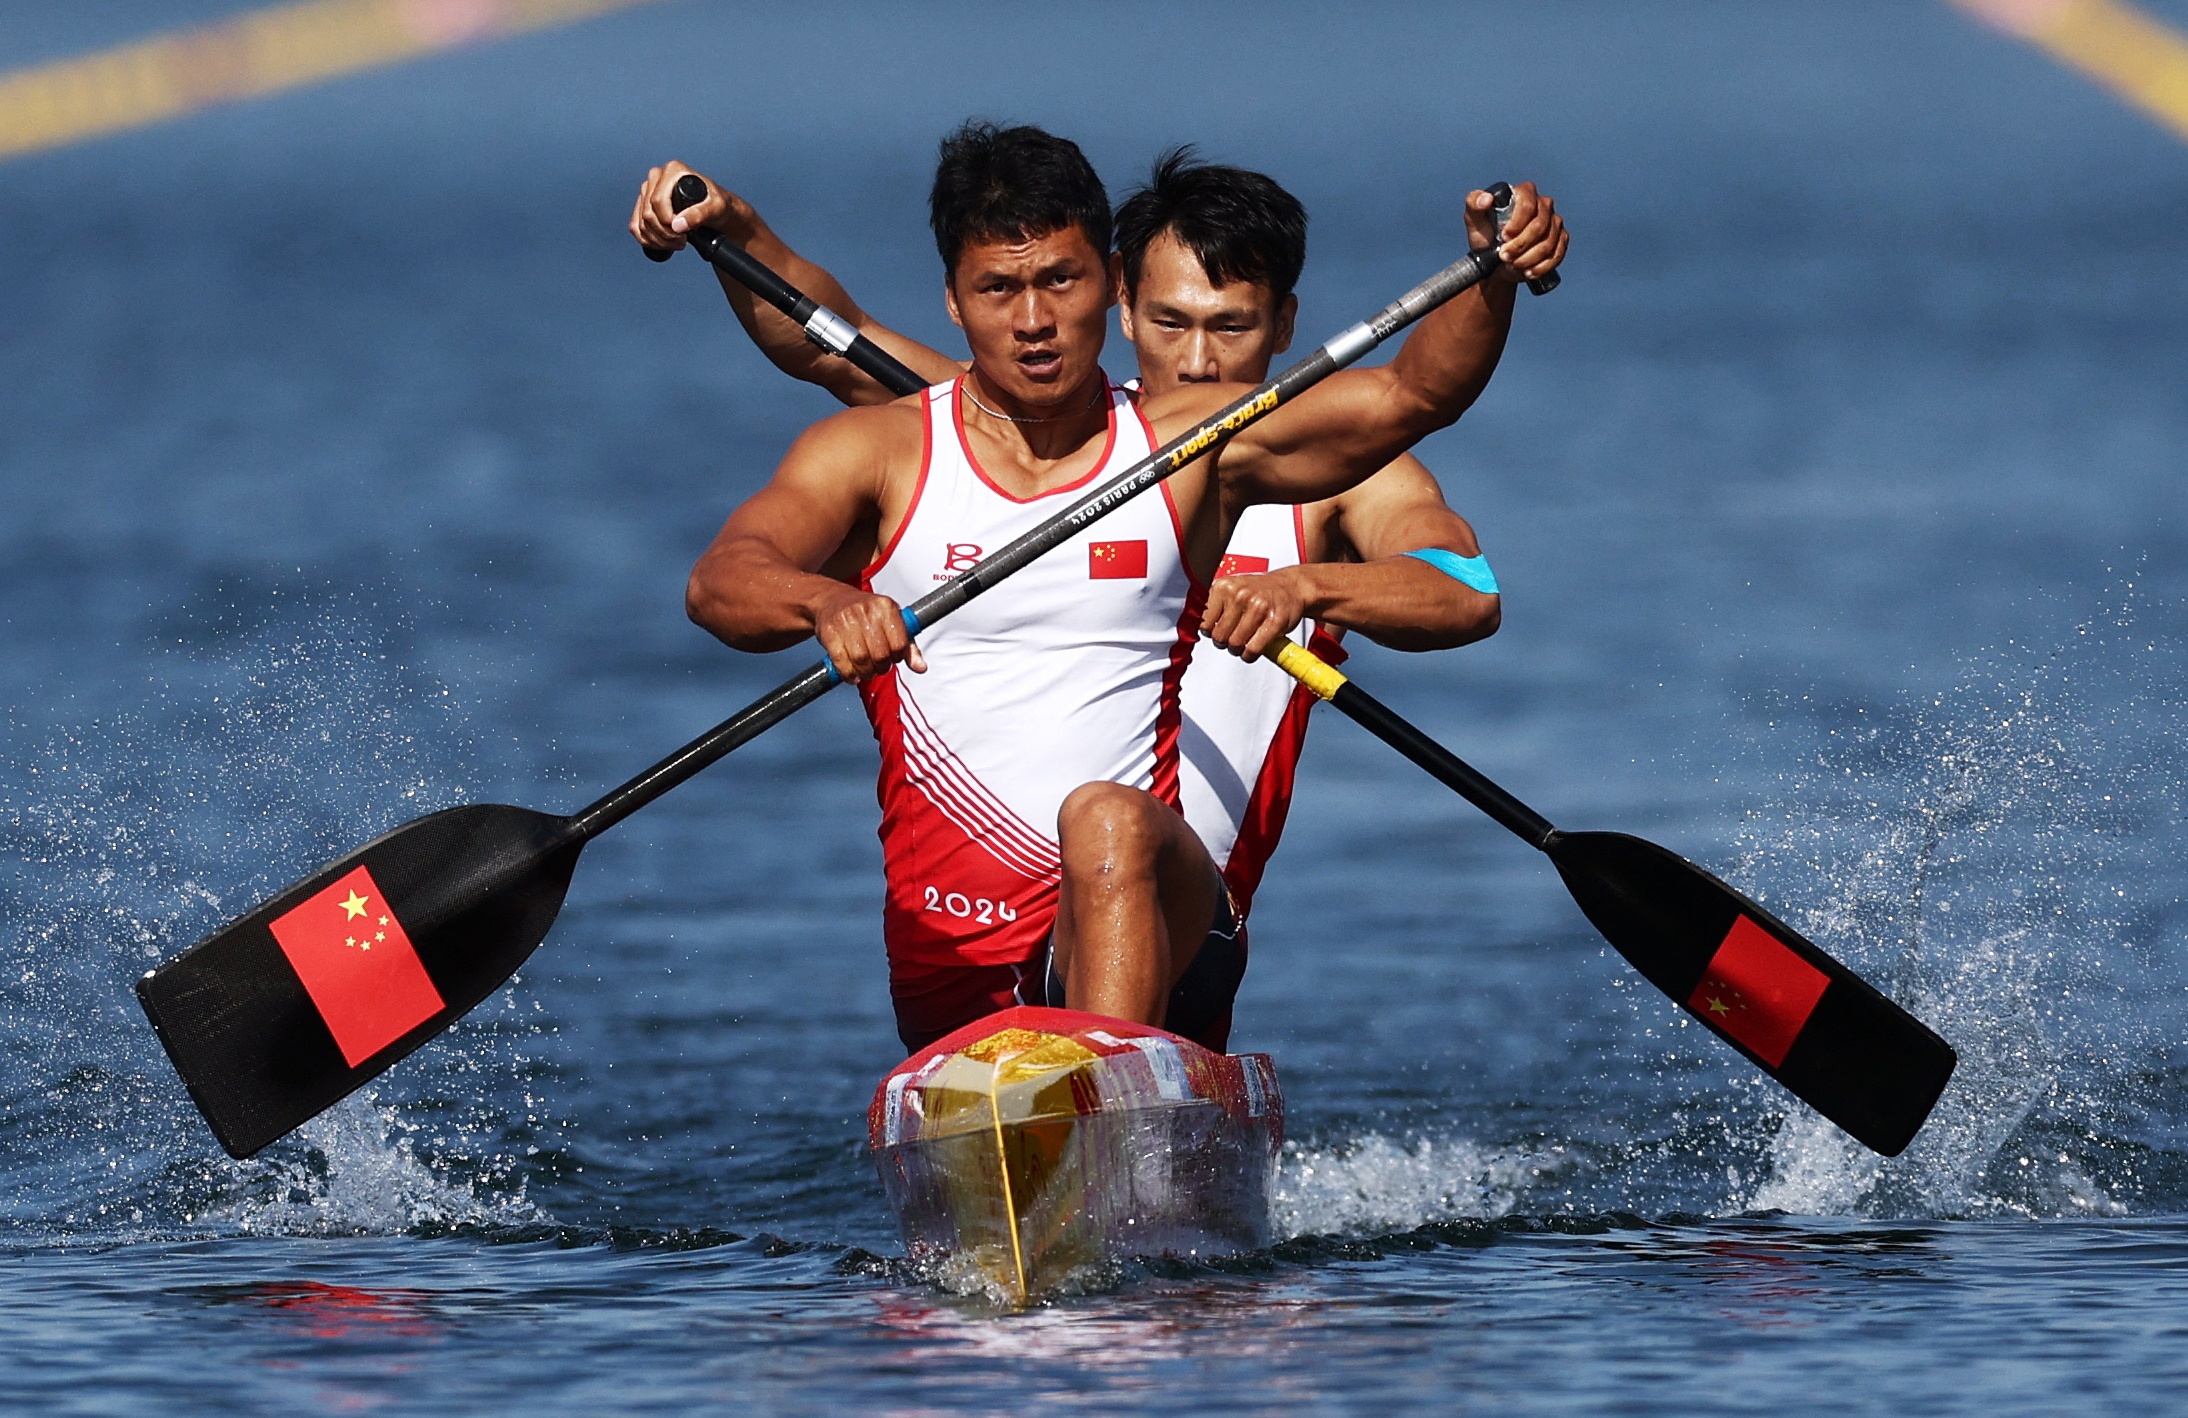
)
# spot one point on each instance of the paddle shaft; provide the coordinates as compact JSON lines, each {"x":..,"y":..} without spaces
{"x":1331,"y":684}
{"x":1829,"y":1037}
{"x":772,"y":708}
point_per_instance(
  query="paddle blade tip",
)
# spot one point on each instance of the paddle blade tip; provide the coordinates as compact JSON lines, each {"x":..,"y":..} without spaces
{"x":1821,"y":1031}
{"x":283,"y":1012}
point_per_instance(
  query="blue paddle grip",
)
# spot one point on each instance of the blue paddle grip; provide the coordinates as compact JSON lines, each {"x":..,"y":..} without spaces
{"x":911,"y":627}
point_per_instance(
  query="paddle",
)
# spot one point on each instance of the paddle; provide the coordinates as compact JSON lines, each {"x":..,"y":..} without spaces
{"x":822,"y":326}
{"x":1800,"y":1016}
{"x":278,"y":1015}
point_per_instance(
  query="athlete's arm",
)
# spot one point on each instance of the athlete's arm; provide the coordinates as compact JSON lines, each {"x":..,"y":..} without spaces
{"x":759,"y":587}
{"x":1356,"y":421}
{"x":1392,"y":598}
{"x":654,"y":223}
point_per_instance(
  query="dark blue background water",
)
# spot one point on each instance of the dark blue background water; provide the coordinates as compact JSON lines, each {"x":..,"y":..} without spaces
{"x":350,"y":466}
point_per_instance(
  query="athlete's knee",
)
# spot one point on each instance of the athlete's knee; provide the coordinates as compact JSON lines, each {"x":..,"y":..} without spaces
{"x":1108,"y":827}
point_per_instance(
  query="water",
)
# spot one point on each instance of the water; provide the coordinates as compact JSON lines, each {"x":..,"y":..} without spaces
{"x":350,"y":465}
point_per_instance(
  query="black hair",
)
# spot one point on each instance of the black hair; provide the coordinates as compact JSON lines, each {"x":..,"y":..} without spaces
{"x":993,"y":183}
{"x":1241,"y":224}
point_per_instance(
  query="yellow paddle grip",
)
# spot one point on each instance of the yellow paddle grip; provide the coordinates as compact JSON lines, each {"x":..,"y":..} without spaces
{"x":1310,"y":669}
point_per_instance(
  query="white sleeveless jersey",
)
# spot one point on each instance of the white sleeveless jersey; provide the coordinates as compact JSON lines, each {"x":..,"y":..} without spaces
{"x":1067,"y":673}
{"x":1244,"y":725}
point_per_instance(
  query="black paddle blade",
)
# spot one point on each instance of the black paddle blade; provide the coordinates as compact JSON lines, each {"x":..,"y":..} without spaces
{"x":276,"y":1017}
{"x":1803,"y":1018}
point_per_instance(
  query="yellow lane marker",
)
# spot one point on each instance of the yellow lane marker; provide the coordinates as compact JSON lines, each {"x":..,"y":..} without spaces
{"x":2136,"y":55}
{"x":262,"y":52}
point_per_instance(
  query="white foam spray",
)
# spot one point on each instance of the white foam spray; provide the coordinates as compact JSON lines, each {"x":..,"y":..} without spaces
{"x":129,"y":837}
{"x":1375,"y":1185}
{"x":357,"y":1172}
{"x":1997,"y":865}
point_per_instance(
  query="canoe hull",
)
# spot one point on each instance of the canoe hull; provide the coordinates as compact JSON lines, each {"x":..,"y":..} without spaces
{"x":1039,"y":1145}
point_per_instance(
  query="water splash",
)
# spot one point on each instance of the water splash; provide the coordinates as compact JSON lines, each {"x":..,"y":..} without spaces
{"x":1994,"y":856}
{"x":1375,"y":1184}
{"x":358,"y":1172}
{"x":122,"y":840}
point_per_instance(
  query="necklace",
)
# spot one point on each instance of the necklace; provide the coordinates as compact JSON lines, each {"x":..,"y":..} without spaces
{"x":1018,"y":418}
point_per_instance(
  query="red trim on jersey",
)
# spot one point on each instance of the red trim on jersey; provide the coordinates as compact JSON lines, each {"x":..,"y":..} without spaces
{"x":1192,"y":577}
{"x":1299,"y":534}
{"x":1177,"y":525}
{"x":924,"y":848}
{"x":1170,"y":709}
{"x":1132,"y":397}
{"x":941,"y":774}
{"x":957,"y":415}
{"x":926,"y":461}
{"x":1270,"y":803}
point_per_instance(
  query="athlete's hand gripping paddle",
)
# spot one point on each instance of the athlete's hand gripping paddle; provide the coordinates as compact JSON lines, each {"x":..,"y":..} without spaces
{"x":1501,"y":194}
{"x":280,"y":1014}
{"x":1803,"y":1018}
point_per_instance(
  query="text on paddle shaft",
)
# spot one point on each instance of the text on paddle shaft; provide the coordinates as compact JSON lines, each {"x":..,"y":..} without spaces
{"x":969,"y":908}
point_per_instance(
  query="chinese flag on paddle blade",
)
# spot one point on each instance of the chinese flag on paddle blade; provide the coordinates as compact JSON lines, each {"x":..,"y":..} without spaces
{"x":1117,"y":561}
{"x":358,"y":966}
{"x":1236,"y":565}
{"x":1758,"y":991}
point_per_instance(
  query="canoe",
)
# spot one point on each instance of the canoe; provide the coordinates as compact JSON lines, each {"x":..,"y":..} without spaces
{"x":1038,"y":1146}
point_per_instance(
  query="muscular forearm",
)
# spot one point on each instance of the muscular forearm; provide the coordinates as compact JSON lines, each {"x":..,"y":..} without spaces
{"x":1448,"y":360}
{"x":750,"y":597}
{"x":1338,"y":433}
{"x":1399,"y":601}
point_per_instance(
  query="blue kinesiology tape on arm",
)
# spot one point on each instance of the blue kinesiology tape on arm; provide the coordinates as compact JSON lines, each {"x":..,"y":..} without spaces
{"x":1469,"y":570}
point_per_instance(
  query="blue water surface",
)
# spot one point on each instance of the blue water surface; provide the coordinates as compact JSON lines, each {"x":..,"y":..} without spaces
{"x":351,"y":463}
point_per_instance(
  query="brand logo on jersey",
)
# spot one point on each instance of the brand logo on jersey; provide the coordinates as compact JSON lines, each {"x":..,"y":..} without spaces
{"x":1117,"y":561}
{"x":960,"y":556}
{"x":1235,"y":565}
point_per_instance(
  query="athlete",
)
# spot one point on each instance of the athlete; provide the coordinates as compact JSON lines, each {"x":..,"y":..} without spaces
{"x":1206,"y":265}
{"x":1031,"y":760}
{"x":1206,"y":260}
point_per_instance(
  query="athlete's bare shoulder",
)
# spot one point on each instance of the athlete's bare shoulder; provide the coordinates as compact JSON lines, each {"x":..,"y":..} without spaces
{"x":1403,"y":475}
{"x":865,"y":447}
{"x":870,"y":429}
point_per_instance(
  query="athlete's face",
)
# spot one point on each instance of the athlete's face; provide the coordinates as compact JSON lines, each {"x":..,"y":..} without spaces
{"x":1034,"y":313}
{"x":1189,"y":330}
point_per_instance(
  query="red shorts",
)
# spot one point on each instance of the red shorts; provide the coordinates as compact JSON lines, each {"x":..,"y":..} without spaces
{"x":946,"y":1000}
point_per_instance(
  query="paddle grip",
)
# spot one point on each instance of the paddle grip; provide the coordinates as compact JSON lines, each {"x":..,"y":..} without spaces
{"x":911,"y":628}
{"x":690,"y":191}
{"x":1502,"y":193}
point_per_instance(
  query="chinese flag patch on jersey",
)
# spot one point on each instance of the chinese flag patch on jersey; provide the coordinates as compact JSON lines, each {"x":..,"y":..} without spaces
{"x":1758,"y":991}
{"x":1117,"y":561}
{"x":358,"y":966}
{"x":1236,"y":565}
